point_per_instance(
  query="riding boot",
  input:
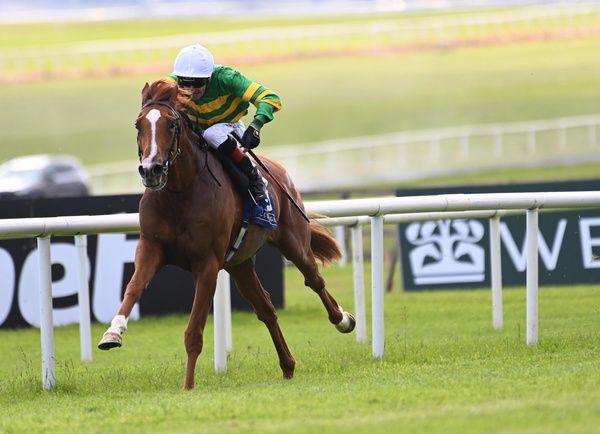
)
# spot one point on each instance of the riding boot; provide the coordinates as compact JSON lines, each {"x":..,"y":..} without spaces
{"x":258,"y":186}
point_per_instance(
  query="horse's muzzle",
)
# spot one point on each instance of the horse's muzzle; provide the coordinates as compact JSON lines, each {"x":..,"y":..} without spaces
{"x":153,"y":176}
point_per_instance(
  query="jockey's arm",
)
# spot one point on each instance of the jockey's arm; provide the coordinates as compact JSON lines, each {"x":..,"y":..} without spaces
{"x":265,"y":101}
{"x":264,"y":114}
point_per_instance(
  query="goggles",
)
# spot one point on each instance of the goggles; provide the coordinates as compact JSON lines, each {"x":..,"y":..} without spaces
{"x":191,"y":81}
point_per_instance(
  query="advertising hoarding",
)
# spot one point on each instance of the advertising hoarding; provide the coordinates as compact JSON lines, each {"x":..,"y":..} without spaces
{"x":110,"y":268}
{"x":455,"y":253}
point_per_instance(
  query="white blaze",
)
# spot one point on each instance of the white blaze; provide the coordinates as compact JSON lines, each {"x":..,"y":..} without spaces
{"x":153,"y":116}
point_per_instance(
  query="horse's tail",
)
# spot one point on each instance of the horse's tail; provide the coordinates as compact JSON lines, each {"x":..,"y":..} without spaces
{"x":325,"y":248}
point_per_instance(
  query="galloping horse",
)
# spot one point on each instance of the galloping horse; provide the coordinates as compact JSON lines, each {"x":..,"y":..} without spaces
{"x":190,"y":216}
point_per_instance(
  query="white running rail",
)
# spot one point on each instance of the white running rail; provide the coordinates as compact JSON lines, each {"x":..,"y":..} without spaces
{"x":376,"y":210}
{"x":409,"y":155}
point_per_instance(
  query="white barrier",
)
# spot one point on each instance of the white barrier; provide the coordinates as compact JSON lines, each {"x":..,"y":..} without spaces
{"x":405,"y":155}
{"x":221,"y":305}
{"x":447,"y":206}
{"x":356,"y":224}
{"x":43,"y":229}
{"x":377,"y":211}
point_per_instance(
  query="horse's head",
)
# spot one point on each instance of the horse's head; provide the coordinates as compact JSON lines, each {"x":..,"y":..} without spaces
{"x":159,"y":127}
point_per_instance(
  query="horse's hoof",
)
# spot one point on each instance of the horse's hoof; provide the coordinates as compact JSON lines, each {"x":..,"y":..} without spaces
{"x":347,"y":324}
{"x":110,"y":340}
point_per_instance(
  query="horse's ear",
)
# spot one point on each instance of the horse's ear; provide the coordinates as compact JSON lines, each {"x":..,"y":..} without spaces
{"x":145,"y":92}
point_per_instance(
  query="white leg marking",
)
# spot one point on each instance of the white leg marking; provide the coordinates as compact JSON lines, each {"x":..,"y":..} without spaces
{"x":346,"y":323}
{"x":118,"y":324}
{"x":113,"y":336}
{"x":153,"y":116}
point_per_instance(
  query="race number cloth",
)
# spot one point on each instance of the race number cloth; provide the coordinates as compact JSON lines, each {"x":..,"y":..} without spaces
{"x":262,"y":214}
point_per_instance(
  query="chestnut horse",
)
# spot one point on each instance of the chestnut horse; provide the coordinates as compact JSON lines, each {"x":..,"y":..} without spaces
{"x":190,"y":216}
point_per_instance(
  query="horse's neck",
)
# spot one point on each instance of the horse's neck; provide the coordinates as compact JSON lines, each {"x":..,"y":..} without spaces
{"x":186,"y":166}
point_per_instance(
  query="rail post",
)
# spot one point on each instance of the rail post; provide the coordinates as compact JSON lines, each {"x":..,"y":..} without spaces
{"x":377,"y":286}
{"x":496,"y":271}
{"x":228,"y":328}
{"x":46,"y":321}
{"x":532,"y":276}
{"x":359,"y":282}
{"x":219,"y":314}
{"x":83,"y":296}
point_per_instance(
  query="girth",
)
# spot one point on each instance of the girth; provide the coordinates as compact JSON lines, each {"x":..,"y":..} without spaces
{"x":238,"y":240}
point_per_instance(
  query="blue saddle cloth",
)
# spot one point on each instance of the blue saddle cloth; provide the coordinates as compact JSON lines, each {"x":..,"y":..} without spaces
{"x":262,"y":214}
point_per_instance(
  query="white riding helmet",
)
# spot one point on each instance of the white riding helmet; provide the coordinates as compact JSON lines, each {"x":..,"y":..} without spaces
{"x":194,"y":61}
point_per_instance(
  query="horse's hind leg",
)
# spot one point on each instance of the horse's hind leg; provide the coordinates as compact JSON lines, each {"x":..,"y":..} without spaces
{"x":247,"y":282}
{"x":301,"y":255}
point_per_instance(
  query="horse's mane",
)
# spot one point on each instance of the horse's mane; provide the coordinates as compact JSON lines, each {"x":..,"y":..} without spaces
{"x":166,"y":90}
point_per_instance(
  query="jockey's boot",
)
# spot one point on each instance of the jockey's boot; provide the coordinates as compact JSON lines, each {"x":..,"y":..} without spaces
{"x":258,"y":186}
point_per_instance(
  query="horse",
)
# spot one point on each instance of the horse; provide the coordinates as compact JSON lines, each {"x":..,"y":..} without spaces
{"x":190,"y":216}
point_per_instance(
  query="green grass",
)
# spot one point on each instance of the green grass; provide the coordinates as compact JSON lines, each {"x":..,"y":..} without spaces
{"x":325,"y":98}
{"x":24,"y":35}
{"x":445,"y":370}
{"x":56,"y":33}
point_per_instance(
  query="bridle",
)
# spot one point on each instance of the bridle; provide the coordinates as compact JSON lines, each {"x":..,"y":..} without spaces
{"x":174,"y":149}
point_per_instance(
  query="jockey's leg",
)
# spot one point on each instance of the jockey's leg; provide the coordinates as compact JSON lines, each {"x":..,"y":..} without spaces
{"x":258,"y":184}
{"x":218,"y":137}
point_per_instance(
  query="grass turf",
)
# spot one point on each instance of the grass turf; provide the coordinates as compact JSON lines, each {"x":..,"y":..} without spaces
{"x":444,"y":369}
{"x":56,"y":34}
{"x":323,"y":99}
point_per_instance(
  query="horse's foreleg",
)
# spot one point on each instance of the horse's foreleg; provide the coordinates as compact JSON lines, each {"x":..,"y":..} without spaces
{"x":205,"y":279}
{"x":148,"y":260}
{"x":247,"y":282}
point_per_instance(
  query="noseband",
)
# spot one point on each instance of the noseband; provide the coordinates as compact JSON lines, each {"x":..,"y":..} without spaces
{"x":174,"y":149}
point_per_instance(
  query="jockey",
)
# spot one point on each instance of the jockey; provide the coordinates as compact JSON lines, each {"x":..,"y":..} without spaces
{"x":219,"y":98}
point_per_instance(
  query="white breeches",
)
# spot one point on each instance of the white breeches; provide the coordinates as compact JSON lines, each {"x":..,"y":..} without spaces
{"x":217,"y":134}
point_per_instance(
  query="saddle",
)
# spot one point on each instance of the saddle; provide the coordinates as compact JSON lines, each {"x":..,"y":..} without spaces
{"x":261,"y":214}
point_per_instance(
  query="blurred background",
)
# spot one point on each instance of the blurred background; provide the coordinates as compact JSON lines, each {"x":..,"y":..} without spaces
{"x":376,"y":94}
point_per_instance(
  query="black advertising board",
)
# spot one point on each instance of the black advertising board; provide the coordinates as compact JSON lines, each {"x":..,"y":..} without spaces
{"x":455,"y":253}
{"x":111,"y":266}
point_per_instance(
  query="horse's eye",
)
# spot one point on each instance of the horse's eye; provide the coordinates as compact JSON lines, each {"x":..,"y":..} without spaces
{"x":172,"y":125}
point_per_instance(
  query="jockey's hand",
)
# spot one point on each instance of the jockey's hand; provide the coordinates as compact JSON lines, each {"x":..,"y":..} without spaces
{"x":251,"y":138}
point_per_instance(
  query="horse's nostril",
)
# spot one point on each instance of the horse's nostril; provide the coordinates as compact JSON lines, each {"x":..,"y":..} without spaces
{"x":157,"y":169}
{"x":141,"y":170}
